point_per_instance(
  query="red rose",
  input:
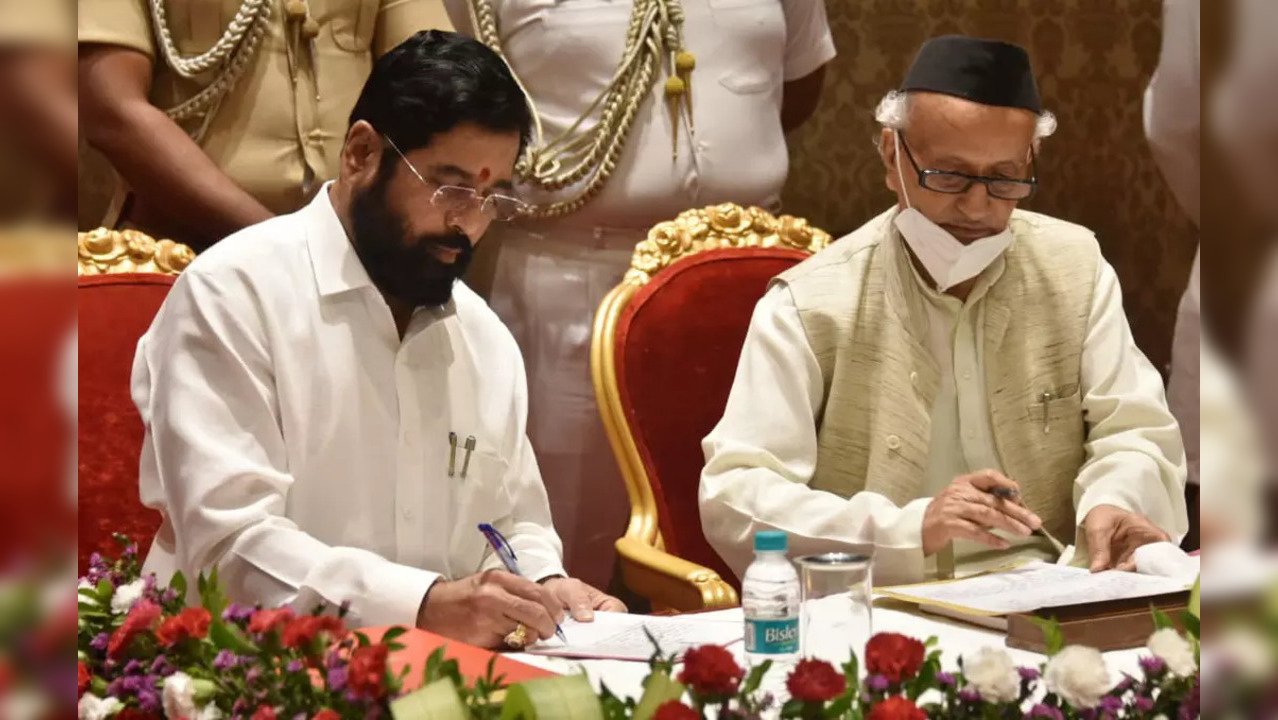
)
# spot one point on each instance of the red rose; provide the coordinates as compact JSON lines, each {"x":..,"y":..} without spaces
{"x":191,"y":623}
{"x":896,"y":708}
{"x":266,"y":712}
{"x":82,"y":678}
{"x":130,"y":713}
{"x":895,"y":657}
{"x":368,"y":670}
{"x":300,"y":632}
{"x":6,"y":676}
{"x":326,"y":714}
{"x":675,"y":710}
{"x":815,"y":681}
{"x":265,"y":621}
{"x":711,"y":672}
{"x":142,"y":618}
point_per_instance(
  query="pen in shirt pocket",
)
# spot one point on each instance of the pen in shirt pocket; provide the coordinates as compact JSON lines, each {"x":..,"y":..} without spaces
{"x":507,"y":556}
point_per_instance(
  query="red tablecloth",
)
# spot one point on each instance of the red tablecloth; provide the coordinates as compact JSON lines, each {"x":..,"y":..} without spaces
{"x":419,"y":644}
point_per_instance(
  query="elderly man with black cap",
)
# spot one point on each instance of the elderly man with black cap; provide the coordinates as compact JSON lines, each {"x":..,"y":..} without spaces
{"x":954,"y":386}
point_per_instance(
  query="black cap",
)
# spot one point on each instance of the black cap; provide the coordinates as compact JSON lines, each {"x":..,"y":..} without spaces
{"x":990,"y":72}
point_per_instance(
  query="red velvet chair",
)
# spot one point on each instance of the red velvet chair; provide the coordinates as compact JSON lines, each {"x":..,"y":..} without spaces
{"x":123,"y":279}
{"x":664,"y":355}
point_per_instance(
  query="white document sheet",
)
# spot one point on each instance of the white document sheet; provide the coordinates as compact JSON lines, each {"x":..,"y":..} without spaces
{"x":620,"y":636}
{"x":1036,"y":585}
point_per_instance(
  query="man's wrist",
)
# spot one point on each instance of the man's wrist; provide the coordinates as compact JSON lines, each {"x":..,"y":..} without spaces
{"x":421,"y":609}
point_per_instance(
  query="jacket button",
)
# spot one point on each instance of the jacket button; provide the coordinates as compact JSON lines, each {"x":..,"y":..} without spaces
{"x":893,"y":442}
{"x":914,"y":378}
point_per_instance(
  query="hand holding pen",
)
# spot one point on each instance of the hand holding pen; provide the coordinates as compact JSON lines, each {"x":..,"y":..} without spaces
{"x":506,"y":554}
{"x":969,"y":507}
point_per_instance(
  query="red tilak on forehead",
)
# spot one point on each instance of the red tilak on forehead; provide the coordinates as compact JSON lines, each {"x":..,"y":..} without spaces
{"x":484,"y":174}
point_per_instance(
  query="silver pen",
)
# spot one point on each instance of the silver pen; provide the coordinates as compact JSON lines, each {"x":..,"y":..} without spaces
{"x":1010,"y":494}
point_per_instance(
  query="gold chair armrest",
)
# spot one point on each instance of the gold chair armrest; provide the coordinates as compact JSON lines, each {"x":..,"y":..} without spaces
{"x":671,"y":582}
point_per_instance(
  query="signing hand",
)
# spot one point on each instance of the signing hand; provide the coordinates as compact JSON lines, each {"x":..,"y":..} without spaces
{"x":1113,"y":534}
{"x":482,"y":609}
{"x":580,"y":600}
{"x":966,"y":509}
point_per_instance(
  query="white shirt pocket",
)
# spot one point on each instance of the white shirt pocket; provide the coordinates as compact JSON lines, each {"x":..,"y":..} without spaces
{"x":482,"y":497}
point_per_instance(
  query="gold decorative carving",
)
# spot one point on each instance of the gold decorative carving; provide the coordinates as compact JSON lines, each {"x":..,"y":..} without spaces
{"x":720,"y":226}
{"x":109,"y":252}
{"x":668,"y":581}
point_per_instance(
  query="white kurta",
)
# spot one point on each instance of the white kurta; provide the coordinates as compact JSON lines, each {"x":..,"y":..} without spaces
{"x":763,"y":453}
{"x":1173,"y":125}
{"x":294,"y":440}
{"x":550,"y":277}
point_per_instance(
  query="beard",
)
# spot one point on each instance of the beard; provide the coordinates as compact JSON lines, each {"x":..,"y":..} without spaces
{"x":403,"y":267}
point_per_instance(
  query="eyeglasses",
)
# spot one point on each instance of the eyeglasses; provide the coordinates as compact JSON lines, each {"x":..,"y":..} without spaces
{"x":463,"y":200}
{"x":956,"y":183}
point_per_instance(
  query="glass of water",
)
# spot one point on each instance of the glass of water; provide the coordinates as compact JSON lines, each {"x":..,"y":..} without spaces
{"x":835,"y":591}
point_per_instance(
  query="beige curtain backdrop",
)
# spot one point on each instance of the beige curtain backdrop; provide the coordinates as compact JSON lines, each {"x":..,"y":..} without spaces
{"x":1092,"y":59}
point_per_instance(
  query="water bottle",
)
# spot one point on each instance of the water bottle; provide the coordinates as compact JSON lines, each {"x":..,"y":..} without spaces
{"x":770,"y":600}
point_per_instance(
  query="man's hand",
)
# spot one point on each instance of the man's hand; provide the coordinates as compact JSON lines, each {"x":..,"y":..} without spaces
{"x":482,"y":609}
{"x":1113,"y":534}
{"x":581,"y":600}
{"x":967,"y":510}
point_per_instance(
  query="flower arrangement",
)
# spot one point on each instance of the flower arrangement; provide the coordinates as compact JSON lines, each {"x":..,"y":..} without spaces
{"x":144,"y":654}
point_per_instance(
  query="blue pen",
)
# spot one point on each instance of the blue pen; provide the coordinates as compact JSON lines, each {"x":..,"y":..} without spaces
{"x":507,"y":555}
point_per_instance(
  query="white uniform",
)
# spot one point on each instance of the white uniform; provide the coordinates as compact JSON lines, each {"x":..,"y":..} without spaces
{"x":1172,"y":124}
{"x":751,"y":458}
{"x":551,"y":276}
{"x":294,"y":440}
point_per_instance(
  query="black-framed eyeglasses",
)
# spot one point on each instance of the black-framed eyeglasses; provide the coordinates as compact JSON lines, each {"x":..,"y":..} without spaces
{"x":458,"y":199}
{"x":956,"y":183}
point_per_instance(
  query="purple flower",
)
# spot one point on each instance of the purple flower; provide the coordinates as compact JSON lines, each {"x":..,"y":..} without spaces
{"x":168,"y":597}
{"x":240,"y":707}
{"x":235,"y":613}
{"x":1110,"y":704}
{"x":100,"y":642}
{"x":1152,"y":665}
{"x":1189,"y":708}
{"x":149,"y":700}
{"x":1144,"y":704}
{"x":877,"y":683}
{"x":295,"y":666}
{"x":133,"y":667}
{"x":225,"y":660}
{"x":300,"y":716}
{"x":1045,"y":712}
{"x":945,"y":679}
{"x":337,"y":678}
{"x":253,"y":675}
{"x":1028,"y":673}
{"x":969,"y":695}
{"x":1127,"y":683}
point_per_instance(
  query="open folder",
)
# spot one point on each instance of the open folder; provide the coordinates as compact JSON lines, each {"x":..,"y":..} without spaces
{"x":1029,"y":587}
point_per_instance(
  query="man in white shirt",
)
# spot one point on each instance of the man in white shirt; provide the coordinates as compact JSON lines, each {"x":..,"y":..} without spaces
{"x":645,"y":108}
{"x":951,"y":349}
{"x":330,"y":415}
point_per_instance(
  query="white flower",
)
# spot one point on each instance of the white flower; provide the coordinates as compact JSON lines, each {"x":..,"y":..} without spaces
{"x":93,"y":707}
{"x":992,"y":673}
{"x":208,"y":712}
{"x":1246,"y":652}
{"x":1169,"y":646}
{"x":179,"y":696}
{"x":126,"y":595}
{"x":1078,"y":674}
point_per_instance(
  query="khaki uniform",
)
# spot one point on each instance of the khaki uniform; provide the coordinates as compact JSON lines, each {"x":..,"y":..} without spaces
{"x":279,"y":132}
{"x":25,"y":188}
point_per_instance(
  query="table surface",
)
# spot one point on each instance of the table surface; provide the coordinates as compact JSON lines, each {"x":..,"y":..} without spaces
{"x":954,"y":639}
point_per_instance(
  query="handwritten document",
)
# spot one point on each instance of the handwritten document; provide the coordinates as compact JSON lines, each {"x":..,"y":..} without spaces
{"x":619,"y":636}
{"x":1036,"y":585}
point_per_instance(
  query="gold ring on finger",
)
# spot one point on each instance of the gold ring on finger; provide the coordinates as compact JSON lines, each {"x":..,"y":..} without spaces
{"x":517,"y":638}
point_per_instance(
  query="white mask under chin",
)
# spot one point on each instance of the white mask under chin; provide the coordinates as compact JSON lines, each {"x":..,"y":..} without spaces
{"x":947,"y":260}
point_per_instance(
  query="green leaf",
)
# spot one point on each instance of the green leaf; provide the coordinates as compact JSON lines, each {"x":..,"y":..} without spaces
{"x":1161,"y":620}
{"x":437,"y":701}
{"x":178,"y":583}
{"x":229,"y":637}
{"x":792,"y":708}
{"x":840,"y":707}
{"x":755,"y":678}
{"x":1052,"y":635}
{"x":660,"y":689}
{"x":393,"y":633}
{"x":1192,"y":624}
{"x":568,"y":697}
{"x":852,"y":672}
{"x":1194,"y":598}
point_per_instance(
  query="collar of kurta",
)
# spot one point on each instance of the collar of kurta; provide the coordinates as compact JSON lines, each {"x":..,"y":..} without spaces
{"x":336,"y":266}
